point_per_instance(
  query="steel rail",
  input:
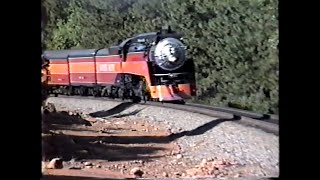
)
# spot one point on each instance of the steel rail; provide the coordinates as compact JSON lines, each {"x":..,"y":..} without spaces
{"x":267,"y":123}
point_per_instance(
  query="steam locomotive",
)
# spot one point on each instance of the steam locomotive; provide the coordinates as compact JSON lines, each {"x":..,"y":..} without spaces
{"x":149,"y":67}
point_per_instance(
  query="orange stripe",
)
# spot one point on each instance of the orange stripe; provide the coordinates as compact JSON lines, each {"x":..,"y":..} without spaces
{"x":58,"y":68}
{"x":82,"y":67}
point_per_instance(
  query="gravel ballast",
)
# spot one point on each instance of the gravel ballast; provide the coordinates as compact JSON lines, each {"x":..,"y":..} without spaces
{"x":208,"y":137}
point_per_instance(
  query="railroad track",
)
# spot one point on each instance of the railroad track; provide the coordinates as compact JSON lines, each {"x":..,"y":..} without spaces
{"x":265,"y":122}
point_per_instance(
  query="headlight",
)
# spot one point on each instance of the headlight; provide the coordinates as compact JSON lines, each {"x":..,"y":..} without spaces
{"x":169,"y":54}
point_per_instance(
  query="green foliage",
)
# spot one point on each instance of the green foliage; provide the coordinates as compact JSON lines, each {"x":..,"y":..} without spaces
{"x":233,"y":42}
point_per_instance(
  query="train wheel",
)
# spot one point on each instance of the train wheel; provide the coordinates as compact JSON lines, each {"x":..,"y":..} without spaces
{"x":144,"y":97}
{"x":96,"y":92}
{"x":141,"y":92}
{"x":90,"y":91}
{"x":83,"y":91}
{"x":70,"y":91}
{"x":121,"y":94}
{"x":104,"y":92}
{"x":113,"y":91}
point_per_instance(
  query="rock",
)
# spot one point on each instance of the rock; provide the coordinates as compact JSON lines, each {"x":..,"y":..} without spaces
{"x":55,"y":163}
{"x":93,"y":120}
{"x":236,"y":175}
{"x":224,"y":172}
{"x":100,"y":119}
{"x":98,"y":166}
{"x":153,"y":118}
{"x":75,"y":167}
{"x":179,"y":156}
{"x":192,"y":172}
{"x":146,"y":130}
{"x":181,"y":163}
{"x":203,"y":163}
{"x":137,"y":172}
{"x":140,"y":161}
{"x":173,"y":161}
{"x":85,"y":115}
{"x":88,"y":164}
{"x":101,"y":131}
{"x":72,"y":161}
{"x":216,"y":172}
{"x":220,"y":176}
{"x":174,"y":152}
{"x":70,"y":113}
{"x":164,"y":174}
{"x":98,"y":142}
{"x":119,"y":122}
{"x":49,"y":108}
{"x":136,"y":161}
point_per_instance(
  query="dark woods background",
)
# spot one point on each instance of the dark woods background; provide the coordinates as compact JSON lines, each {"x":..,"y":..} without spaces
{"x":234,"y":43}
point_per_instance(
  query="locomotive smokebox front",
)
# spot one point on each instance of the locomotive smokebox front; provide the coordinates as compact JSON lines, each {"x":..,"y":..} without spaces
{"x":169,"y":54}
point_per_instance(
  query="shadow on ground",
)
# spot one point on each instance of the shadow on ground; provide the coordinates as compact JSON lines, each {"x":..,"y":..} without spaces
{"x":84,"y":142}
{"x":79,"y":147}
{"x":128,"y":114}
{"x":111,"y":148}
{"x":115,"y":110}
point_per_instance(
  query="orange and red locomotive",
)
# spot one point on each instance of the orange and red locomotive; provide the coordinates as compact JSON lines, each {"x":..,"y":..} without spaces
{"x":150,"y":66}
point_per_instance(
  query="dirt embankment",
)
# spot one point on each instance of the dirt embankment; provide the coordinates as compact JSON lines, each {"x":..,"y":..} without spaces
{"x":121,"y":147}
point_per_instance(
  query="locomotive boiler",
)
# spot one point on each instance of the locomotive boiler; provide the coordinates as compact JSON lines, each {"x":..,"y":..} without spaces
{"x":150,"y":66}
